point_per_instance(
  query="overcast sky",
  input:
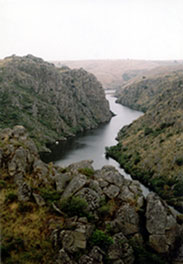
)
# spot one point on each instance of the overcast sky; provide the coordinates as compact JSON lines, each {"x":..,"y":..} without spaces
{"x":92,"y":29}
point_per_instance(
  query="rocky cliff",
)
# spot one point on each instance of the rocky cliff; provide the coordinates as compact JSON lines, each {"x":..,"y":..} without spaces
{"x":150,"y":149}
{"x":51,"y":103}
{"x":76,"y":215}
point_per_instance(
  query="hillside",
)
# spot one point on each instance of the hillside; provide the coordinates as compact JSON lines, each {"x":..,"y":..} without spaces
{"x":151,"y":147}
{"x":76,"y":215}
{"x":114,"y":73}
{"x":52,"y":103}
{"x":141,"y":92}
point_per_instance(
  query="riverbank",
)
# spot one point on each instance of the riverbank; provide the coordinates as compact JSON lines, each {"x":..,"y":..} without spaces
{"x":91,"y":145}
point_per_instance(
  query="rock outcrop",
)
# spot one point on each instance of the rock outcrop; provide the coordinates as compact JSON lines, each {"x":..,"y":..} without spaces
{"x":78,"y":215}
{"x":52,"y":103}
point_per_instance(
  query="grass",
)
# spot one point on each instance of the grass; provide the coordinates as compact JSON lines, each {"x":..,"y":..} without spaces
{"x":25,"y":229}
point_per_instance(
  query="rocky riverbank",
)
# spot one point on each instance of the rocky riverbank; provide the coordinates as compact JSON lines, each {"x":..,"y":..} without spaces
{"x":77,"y":215}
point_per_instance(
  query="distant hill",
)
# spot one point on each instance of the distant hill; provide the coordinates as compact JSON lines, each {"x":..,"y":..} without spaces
{"x":142,"y":91}
{"x":113,"y":73}
{"x":52,"y":103}
{"x":151,"y":148}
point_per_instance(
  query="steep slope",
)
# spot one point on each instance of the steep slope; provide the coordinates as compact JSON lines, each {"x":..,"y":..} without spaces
{"x":141,"y":92}
{"x":151,"y":147}
{"x":51,"y":103}
{"x":76,"y":215}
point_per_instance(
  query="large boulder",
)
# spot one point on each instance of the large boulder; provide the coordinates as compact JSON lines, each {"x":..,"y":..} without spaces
{"x":75,"y":185}
{"x":161,"y":225}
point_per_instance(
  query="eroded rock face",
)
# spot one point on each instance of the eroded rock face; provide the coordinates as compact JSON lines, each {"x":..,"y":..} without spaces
{"x":61,"y":102}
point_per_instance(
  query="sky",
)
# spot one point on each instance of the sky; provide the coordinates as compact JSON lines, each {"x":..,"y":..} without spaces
{"x":92,"y":29}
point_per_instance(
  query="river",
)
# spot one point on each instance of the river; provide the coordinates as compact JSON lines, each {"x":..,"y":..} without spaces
{"x":91,"y":144}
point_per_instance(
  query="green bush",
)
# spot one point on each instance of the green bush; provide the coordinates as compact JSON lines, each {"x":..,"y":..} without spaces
{"x":49,"y":195}
{"x":101,"y":239}
{"x":87,"y":171}
{"x":137,"y":158}
{"x":11,"y":244}
{"x":104,"y":210}
{"x":147,"y":131}
{"x":178,"y":189}
{"x":74,"y":206}
{"x":179,"y":161}
{"x":25,"y":207}
{"x":2,"y":184}
{"x":10,"y":197}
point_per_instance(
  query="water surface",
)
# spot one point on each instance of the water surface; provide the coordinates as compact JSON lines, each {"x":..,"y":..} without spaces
{"x":91,"y":145}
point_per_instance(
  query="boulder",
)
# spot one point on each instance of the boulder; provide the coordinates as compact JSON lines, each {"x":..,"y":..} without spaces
{"x":75,"y":185}
{"x":120,"y":250}
{"x":127,"y":220}
{"x":91,"y":197}
{"x":19,"y":162}
{"x":94,"y":185}
{"x":61,"y":180}
{"x":95,"y":256}
{"x":24,"y":192}
{"x":131,"y":194}
{"x":111,"y":191}
{"x":111,"y":175}
{"x":80,"y":165}
{"x":39,"y":200}
{"x":73,"y":241}
{"x":40,"y":170}
{"x":19,"y":131}
{"x":161,"y":224}
{"x":64,"y":258}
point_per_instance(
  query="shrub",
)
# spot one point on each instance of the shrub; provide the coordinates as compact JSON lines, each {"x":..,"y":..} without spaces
{"x":178,"y":189}
{"x":2,"y":184}
{"x":11,"y":244}
{"x":87,"y":171}
{"x":10,"y":197}
{"x":74,"y":206}
{"x":179,"y":161}
{"x":104,"y":210}
{"x":147,"y":131}
{"x":25,"y":207}
{"x":101,"y":239}
{"x":50,"y":195}
{"x":136,"y":158}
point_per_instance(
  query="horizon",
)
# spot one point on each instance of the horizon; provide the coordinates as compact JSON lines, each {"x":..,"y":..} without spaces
{"x":99,"y":59}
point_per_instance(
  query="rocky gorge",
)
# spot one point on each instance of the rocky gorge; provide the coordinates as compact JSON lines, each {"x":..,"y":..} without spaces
{"x":52,"y":103}
{"x":76,"y":215}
